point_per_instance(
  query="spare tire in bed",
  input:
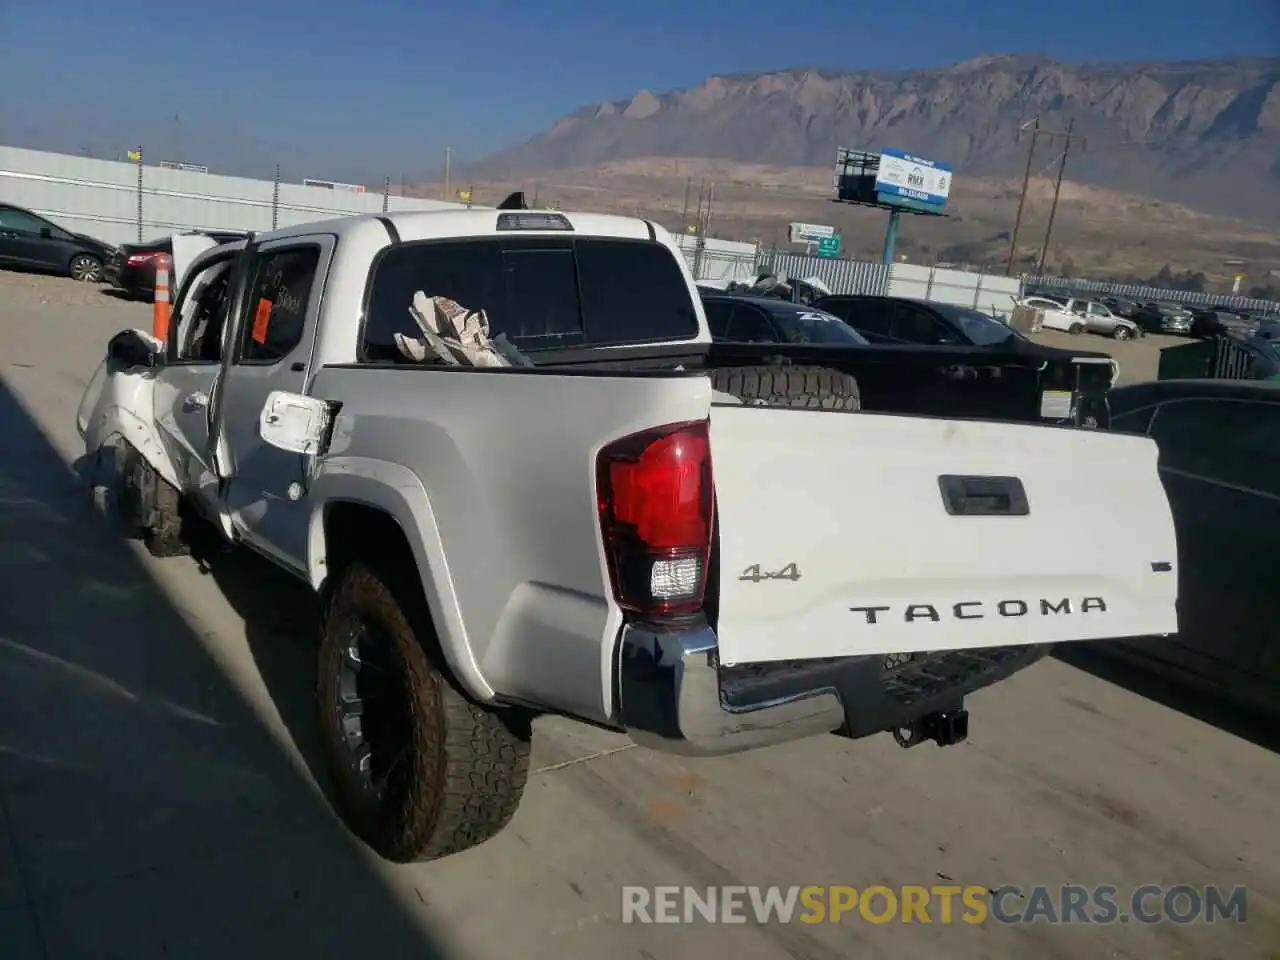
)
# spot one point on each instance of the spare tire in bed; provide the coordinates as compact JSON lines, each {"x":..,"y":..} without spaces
{"x":799,"y":387}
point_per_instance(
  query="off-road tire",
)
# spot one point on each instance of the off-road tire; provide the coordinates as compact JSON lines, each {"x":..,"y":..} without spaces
{"x":798,"y":387}
{"x":128,"y":490}
{"x":165,"y":536}
{"x":467,"y":764}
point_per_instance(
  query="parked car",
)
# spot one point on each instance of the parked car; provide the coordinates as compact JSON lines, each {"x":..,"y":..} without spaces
{"x":984,"y":366}
{"x":742,"y":319}
{"x":587,"y":510}
{"x":29,"y":241}
{"x":1040,"y":301}
{"x":1121,"y":306}
{"x":1164,"y":316}
{"x":1095,"y":316}
{"x":1216,"y":321}
{"x":1219,"y":446}
{"x":132,"y":268}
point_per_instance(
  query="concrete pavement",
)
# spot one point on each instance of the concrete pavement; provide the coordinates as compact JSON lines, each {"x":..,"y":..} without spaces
{"x":159,"y":795}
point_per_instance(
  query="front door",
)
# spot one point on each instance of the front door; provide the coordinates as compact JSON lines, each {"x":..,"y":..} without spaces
{"x":193,"y":363}
{"x":21,"y":241}
{"x":270,"y":348}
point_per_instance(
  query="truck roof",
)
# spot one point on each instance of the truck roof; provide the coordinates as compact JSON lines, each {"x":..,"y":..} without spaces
{"x":442,"y":224}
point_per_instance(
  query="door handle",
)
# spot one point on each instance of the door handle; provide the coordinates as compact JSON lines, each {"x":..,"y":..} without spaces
{"x":983,"y":496}
{"x":193,"y":400}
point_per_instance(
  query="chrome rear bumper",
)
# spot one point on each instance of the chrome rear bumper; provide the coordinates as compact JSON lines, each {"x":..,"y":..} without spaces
{"x":674,"y":696}
{"x":669,"y":688}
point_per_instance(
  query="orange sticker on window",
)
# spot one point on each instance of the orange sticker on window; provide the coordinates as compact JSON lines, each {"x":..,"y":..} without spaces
{"x":261,"y":318}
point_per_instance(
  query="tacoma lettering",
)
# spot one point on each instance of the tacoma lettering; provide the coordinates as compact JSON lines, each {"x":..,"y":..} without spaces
{"x":979,"y":609}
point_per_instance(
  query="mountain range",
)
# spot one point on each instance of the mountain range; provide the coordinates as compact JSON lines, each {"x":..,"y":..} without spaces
{"x":1204,"y":134}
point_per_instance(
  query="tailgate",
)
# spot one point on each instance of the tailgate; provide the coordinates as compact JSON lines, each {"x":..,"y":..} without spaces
{"x":845,"y":534}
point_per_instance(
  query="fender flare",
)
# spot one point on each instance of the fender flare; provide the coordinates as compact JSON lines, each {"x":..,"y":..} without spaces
{"x":119,"y":422}
{"x":398,"y":492}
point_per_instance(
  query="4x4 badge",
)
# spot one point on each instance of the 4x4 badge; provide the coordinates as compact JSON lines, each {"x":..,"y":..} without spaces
{"x":753,"y":574}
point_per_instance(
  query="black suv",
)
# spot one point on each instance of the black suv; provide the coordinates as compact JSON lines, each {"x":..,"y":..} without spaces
{"x":30,"y":241}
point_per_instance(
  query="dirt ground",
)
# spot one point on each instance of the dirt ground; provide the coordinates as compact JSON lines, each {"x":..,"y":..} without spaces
{"x":160,"y":793}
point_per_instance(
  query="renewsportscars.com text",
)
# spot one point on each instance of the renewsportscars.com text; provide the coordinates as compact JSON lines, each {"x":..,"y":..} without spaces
{"x":935,"y":904}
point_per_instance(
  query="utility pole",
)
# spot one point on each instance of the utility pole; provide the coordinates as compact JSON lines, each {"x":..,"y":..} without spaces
{"x":1057,"y":189}
{"x":697,"y":217}
{"x":684,"y":215}
{"x":177,"y":137}
{"x":706,"y":217}
{"x":1022,"y":197}
{"x":448,"y":158}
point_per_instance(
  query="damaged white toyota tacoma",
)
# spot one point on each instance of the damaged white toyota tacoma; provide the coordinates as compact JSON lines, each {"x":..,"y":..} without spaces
{"x":501,"y":448}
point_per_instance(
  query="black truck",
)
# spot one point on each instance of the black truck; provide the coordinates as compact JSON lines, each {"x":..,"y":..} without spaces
{"x":994,"y":374}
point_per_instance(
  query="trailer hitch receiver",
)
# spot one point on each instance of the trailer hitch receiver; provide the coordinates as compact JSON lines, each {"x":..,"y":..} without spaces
{"x":946,"y":728}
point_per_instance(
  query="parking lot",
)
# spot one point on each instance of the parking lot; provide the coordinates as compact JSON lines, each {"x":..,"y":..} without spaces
{"x":160,"y":795}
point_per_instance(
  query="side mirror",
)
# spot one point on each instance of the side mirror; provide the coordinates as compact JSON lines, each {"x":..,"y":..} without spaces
{"x":46,"y":233}
{"x":130,"y":348}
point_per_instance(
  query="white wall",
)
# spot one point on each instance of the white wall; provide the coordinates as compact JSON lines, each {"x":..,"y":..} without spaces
{"x":101,"y":197}
{"x":720,"y":260}
{"x":992,"y":295}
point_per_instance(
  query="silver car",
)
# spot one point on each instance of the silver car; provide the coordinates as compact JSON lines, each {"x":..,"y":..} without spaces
{"x":1098,"y":318}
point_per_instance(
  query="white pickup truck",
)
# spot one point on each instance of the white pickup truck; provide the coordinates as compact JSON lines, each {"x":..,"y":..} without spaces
{"x":606,"y":527}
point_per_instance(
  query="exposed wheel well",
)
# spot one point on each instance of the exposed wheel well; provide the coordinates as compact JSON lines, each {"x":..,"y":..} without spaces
{"x":356,"y":531}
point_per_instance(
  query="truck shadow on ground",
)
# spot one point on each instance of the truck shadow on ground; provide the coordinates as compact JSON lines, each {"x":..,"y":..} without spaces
{"x":145,"y":809}
{"x":282,"y":627}
{"x":1153,"y":682}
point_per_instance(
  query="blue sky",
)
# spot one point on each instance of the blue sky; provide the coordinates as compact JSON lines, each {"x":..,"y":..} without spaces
{"x":361,"y":91}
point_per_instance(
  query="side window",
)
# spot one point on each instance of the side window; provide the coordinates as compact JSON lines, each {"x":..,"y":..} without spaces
{"x":202,"y":314}
{"x":717,"y":312}
{"x":914,"y":325}
{"x":21,"y":222}
{"x":872,"y":316}
{"x":1234,"y":441}
{"x":748,"y":325}
{"x":278,"y":298}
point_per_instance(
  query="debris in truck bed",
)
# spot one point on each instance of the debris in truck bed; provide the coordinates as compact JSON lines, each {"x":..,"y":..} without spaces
{"x":455,"y":335}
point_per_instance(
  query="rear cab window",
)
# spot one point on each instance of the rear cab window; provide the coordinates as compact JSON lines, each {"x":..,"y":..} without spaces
{"x":543,"y":293}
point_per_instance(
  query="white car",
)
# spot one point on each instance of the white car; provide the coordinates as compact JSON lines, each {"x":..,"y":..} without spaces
{"x":1075,"y":316}
{"x":496,"y":445}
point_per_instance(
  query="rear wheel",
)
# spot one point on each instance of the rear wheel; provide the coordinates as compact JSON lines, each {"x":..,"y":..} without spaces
{"x":85,"y":268}
{"x":420,"y":771}
{"x":811,"y":388}
{"x":1076,"y":329}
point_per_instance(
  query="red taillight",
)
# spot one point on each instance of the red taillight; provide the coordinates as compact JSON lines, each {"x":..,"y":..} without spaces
{"x":656,"y":508}
{"x":138,"y":259}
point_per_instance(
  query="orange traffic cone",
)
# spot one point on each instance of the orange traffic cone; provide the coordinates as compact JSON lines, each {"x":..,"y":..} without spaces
{"x":160,"y":302}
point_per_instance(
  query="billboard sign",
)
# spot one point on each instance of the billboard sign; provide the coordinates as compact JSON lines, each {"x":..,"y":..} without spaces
{"x":810,"y":232}
{"x":904,"y":175}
